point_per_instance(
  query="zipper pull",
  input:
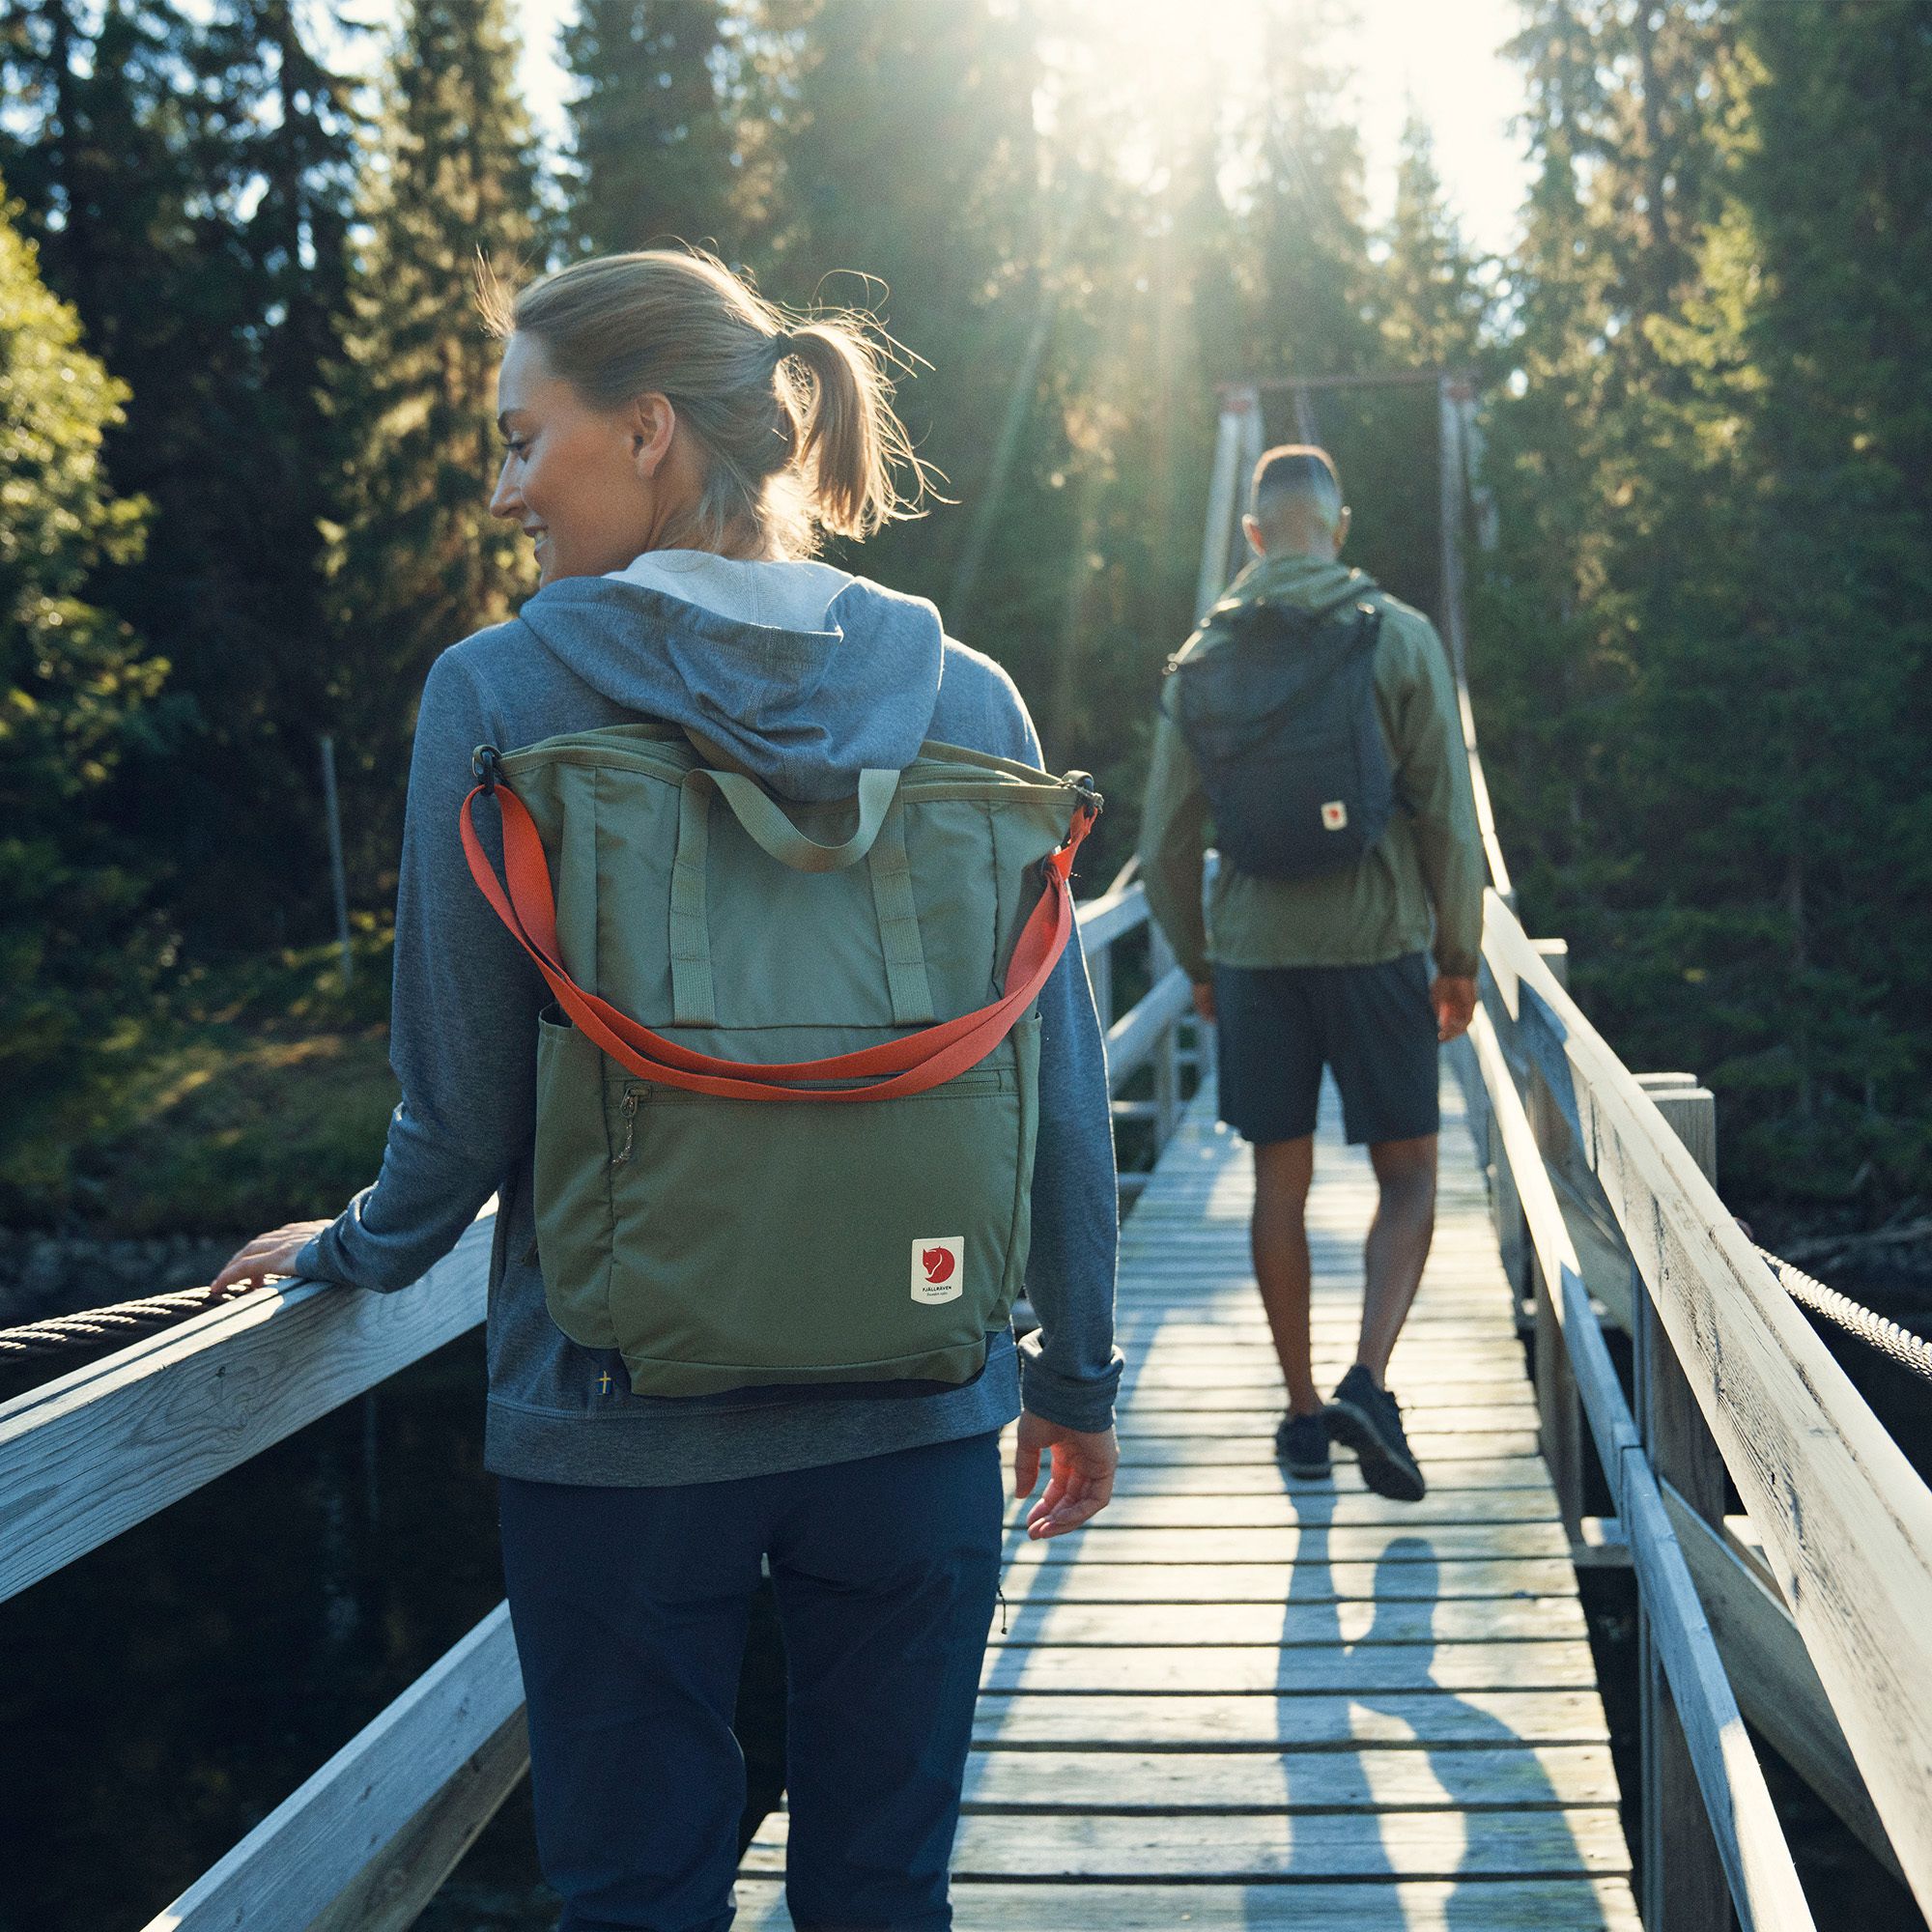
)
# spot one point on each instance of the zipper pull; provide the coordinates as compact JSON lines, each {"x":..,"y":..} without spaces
{"x":632,"y":1095}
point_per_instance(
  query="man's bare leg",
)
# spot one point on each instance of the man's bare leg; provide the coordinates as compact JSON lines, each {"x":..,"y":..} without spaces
{"x":1398,"y":1244}
{"x":1279,"y":1238}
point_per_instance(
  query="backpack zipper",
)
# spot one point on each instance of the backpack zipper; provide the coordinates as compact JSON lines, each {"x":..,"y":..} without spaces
{"x":632,"y":1095}
{"x":975,"y":1080}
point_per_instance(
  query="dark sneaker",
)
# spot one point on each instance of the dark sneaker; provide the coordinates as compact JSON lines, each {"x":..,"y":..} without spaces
{"x":1368,"y":1420}
{"x":1301,"y":1441}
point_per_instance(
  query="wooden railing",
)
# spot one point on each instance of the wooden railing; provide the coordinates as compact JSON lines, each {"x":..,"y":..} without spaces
{"x":1812,"y":1607}
{"x":366,"y":1843}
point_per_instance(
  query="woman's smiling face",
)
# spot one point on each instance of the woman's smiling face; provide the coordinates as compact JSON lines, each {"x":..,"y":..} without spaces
{"x":593,"y":490}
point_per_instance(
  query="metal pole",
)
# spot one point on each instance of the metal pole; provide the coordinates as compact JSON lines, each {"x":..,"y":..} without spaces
{"x":1449,"y":393}
{"x":1223,"y":496}
{"x":338,"y":877}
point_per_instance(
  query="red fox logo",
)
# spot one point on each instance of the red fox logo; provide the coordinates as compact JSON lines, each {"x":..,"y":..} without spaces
{"x":938,"y":1266}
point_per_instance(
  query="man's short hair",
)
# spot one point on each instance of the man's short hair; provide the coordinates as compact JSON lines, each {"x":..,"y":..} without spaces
{"x":1294,"y":471}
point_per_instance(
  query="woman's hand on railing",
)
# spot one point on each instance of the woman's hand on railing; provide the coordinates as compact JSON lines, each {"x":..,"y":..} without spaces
{"x":274,"y":1253}
{"x":1203,"y":1000}
{"x":1081,"y":1478}
{"x":1453,"y":999}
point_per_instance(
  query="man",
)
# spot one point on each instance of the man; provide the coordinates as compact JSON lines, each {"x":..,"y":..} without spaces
{"x":1326,"y":964}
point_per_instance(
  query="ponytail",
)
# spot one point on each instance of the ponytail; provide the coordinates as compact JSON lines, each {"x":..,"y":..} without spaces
{"x":792,"y":417}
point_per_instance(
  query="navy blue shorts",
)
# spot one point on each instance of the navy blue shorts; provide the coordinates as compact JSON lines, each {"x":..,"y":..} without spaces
{"x":1373,"y":1026}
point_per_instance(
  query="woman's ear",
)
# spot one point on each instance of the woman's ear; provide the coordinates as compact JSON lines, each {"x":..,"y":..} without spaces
{"x":653,"y":424}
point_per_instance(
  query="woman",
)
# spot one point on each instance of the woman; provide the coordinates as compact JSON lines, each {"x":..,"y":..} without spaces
{"x":676,"y":451}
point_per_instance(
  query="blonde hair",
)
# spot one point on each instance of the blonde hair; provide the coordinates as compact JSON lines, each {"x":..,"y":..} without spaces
{"x":793,"y":415}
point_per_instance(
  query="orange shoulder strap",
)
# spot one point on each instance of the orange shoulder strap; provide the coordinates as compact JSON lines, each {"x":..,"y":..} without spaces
{"x":911,"y":1064}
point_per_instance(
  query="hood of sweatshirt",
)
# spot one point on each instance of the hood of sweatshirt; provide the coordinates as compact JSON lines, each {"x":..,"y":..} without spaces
{"x":805,"y":705}
{"x":1310,"y":583}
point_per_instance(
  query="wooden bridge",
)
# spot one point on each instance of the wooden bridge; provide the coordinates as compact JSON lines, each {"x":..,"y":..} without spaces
{"x":1242,"y":1700}
{"x":1236,"y":1701}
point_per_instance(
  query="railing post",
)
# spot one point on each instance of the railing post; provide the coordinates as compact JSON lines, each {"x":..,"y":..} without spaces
{"x":1560,"y":1406}
{"x":1559,"y":1410}
{"x":1100,"y":977}
{"x":1683,"y":1885}
{"x":1505,"y":1202}
{"x":1166,"y":1071}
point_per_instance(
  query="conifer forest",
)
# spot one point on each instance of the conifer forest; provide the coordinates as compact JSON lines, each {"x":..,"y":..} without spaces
{"x":247,"y":441}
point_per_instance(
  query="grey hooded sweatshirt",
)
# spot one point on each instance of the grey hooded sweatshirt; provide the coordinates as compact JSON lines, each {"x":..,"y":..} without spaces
{"x":806,"y":709}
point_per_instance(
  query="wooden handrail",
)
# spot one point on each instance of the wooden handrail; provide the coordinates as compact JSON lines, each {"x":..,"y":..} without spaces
{"x":1846,"y":1520}
{"x":1486,"y":817}
{"x":1757,"y":1862}
{"x":364,"y":1843}
{"x":78,"y":1460}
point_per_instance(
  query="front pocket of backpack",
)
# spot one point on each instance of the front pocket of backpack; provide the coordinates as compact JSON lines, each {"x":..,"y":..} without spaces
{"x":773,"y":1241}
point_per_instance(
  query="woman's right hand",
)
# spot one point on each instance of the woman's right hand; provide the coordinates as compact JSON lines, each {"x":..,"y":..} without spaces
{"x":1081,"y":1480}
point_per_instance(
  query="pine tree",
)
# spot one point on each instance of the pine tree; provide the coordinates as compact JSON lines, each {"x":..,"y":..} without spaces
{"x":419,"y":561}
{"x":1310,"y":248}
{"x":191,"y":185}
{"x":1792,"y":697}
{"x":1427,"y":296}
{"x":656,"y":154}
{"x":73,"y":685}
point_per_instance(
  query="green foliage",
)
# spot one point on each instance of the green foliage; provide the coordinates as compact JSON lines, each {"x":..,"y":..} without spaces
{"x":659,"y":152}
{"x":1705,"y":673}
{"x":190,"y":182}
{"x":417,"y":561}
{"x":74,"y":683}
{"x":239,"y":1096}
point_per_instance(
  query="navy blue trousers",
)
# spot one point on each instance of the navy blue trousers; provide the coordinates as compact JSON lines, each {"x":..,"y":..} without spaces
{"x":630,"y":1609}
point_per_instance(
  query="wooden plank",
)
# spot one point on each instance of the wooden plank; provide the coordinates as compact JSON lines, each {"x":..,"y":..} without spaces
{"x":1257,"y":1669}
{"x":1419,"y":1401}
{"x":1422,"y":1622}
{"x":1582,"y":1843}
{"x":1317,"y":1505}
{"x":1126,"y":1782}
{"x":1437,"y":1430}
{"x":366,"y":1843}
{"x":102,"y":1448}
{"x":1501,"y":1905}
{"x":1392,"y":1720}
{"x":1493,"y":1366}
{"x":1369,"y":1544}
{"x":1265,"y":1477}
{"x":1319,"y":1508}
{"x":1149,"y":1448}
{"x":1093,"y":1581}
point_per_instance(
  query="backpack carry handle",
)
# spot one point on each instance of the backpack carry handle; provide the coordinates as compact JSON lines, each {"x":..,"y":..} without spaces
{"x":775,"y":834}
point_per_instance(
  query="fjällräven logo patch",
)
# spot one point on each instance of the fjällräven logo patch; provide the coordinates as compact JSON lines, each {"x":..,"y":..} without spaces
{"x":939,"y":1267}
{"x":1334,"y":815}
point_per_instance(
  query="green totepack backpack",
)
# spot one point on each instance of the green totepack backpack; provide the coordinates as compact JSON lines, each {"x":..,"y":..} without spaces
{"x":787,"y":1098}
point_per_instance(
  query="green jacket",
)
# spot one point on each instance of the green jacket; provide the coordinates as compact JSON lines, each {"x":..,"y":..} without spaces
{"x":1431,"y":855}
